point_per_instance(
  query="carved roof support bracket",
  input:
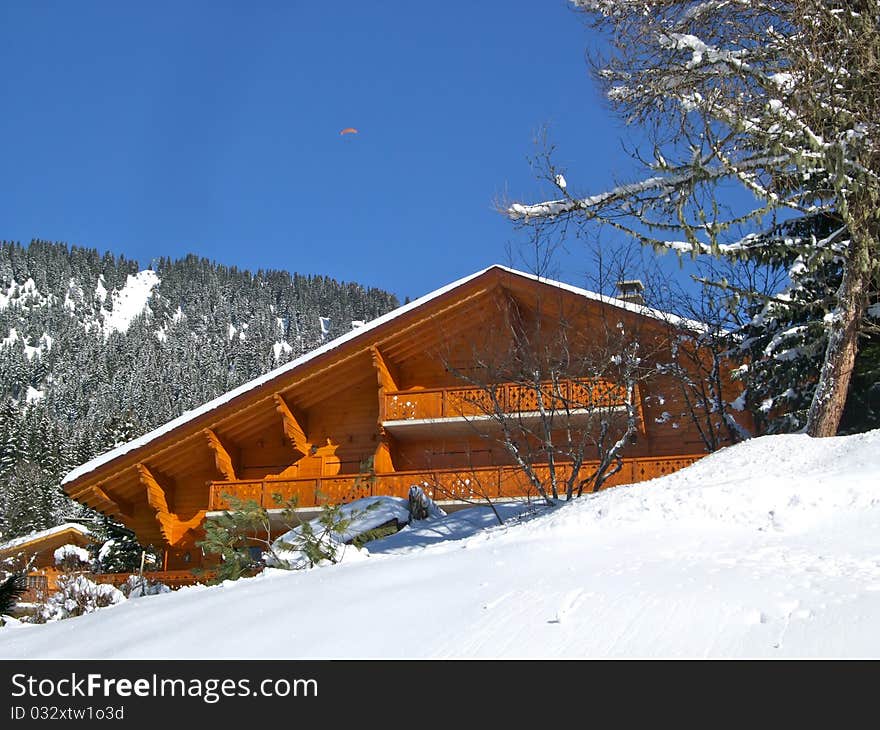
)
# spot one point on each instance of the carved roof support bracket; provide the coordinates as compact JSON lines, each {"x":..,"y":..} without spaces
{"x":387,"y":381}
{"x":172,"y":527}
{"x":294,"y":425}
{"x":222,"y":458}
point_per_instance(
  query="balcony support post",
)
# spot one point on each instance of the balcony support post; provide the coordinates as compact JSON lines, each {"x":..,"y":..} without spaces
{"x":383,"y":462}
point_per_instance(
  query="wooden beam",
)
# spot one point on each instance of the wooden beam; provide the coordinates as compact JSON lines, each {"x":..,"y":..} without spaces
{"x":382,"y":460}
{"x":157,"y":499}
{"x":387,"y":382}
{"x":222,"y":459}
{"x":510,"y":309}
{"x":180,"y":528}
{"x":257,"y":429}
{"x":294,"y":428}
{"x":122,"y":507}
{"x":637,"y":397}
{"x":384,"y":372}
{"x":402,"y":334}
{"x":344,"y":377}
{"x":237,"y":431}
{"x":438,"y":334}
{"x":173,"y":529}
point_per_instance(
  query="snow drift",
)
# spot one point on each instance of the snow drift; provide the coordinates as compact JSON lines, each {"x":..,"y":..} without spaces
{"x":766,"y":549}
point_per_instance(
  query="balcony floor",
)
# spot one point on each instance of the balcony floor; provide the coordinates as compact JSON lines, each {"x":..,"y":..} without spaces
{"x":455,"y":426}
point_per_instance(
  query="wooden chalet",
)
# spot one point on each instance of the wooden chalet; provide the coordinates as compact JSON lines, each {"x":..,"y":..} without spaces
{"x":388,"y":405}
{"x":37,"y":552}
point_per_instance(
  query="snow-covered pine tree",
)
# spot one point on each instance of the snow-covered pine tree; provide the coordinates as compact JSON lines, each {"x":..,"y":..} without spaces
{"x":779,"y":99}
{"x":11,"y":441}
{"x":783,"y":344}
{"x":119,"y":550}
{"x":12,"y":588}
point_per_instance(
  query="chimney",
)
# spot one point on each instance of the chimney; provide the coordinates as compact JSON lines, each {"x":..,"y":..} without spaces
{"x":631,"y":290}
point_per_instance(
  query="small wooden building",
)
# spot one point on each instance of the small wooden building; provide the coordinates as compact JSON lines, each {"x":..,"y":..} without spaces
{"x":390,"y":404}
{"x":37,"y":551}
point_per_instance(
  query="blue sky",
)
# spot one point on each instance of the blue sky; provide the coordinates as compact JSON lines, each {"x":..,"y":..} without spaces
{"x":157,"y":128}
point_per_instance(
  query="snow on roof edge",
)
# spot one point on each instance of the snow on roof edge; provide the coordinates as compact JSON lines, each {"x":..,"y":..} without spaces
{"x":25,"y":539}
{"x":613,"y":301}
{"x":220,"y":400}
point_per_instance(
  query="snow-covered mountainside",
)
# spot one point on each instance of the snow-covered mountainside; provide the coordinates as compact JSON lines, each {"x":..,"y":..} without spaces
{"x":95,"y":350}
{"x":766,"y":549}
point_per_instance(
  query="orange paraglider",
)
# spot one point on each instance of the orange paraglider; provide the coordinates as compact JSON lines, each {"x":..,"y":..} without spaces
{"x":349,"y":130}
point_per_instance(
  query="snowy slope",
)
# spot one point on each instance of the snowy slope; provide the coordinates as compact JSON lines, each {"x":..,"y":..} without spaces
{"x":767,"y":549}
{"x":129,"y":301}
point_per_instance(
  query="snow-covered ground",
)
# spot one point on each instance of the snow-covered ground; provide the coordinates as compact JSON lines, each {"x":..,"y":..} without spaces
{"x":767,"y":549}
{"x":129,"y":301}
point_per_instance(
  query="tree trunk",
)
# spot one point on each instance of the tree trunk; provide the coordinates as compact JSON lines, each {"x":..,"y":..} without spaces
{"x":826,"y":409}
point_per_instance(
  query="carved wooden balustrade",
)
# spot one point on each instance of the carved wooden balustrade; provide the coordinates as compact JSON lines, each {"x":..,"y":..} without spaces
{"x":439,"y":484}
{"x":432,"y":403}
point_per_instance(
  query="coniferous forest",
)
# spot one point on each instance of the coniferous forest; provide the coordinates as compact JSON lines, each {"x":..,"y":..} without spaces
{"x":95,"y":351}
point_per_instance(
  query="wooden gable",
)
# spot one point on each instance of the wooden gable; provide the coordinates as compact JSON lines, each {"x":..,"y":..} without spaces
{"x":42,"y":546}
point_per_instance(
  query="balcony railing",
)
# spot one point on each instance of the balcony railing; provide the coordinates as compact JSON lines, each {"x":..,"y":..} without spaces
{"x":171,"y":578}
{"x":432,"y":403}
{"x":42,"y":585}
{"x":36,"y":589}
{"x":439,"y":484}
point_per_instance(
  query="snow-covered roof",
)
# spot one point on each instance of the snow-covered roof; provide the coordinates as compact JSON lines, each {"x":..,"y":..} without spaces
{"x":360,"y":332}
{"x":39,"y":535}
{"x":642,"y":309}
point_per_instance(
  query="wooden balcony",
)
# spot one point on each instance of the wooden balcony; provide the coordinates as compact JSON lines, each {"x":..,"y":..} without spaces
{"x":42,"y":584}
{"x":417,"y":414}
{"x":511,"y":398}
{"x":37,"y":589}
{"x":439,"y":484}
